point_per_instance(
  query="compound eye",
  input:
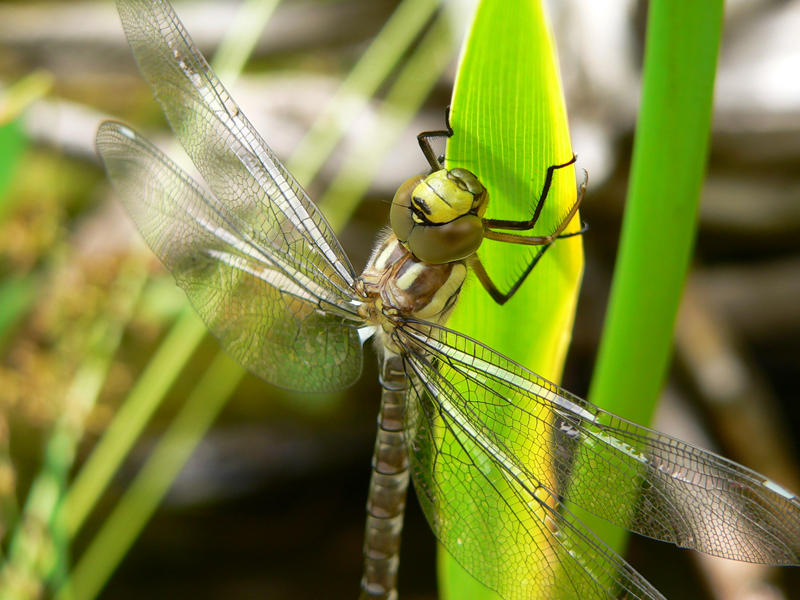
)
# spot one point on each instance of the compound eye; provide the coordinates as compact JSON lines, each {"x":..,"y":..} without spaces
{"x":466,"y":180}
{"x":401,"y":215}
{"x":438,"y":217}
{"x":446,"y":243}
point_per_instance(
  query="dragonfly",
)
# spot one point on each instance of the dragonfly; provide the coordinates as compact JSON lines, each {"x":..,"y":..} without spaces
{"x":469,"y":426}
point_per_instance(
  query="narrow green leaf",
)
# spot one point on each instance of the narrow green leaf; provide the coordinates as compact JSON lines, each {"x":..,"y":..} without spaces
{"x":37,"y":545}
{"x":12,"y":147}
{"x":413,"y":85}
{"x":241,"y":38}
{"x":669,"y":161}
{"x":130,"y":420}
{"x":361,"y":84}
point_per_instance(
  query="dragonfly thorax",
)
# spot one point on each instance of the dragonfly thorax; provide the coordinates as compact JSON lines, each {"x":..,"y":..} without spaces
{"x":396,"y":284}
{"x":438,"y":217}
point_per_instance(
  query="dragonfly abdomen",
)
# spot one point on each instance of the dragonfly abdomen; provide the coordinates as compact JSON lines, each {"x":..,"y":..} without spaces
{"x":396,"y":284}
{"x":387,"y":489}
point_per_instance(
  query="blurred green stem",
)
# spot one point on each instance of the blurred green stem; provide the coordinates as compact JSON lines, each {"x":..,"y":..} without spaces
{"x":17,"y":97}
{"x":39,"y":545}
{"x":412,"y":86}
{"x":241,"y":38}
{"x":361,"y":84}
{"x":130,"y":420}
{"x":147,"y":491}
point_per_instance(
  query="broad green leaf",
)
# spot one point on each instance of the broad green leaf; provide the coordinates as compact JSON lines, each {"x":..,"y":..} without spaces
{"x":510,"y":125}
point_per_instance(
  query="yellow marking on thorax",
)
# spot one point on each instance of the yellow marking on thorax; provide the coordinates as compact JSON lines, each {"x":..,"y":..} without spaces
{"x":444,"y":293}
{"x":383,"y":258}
{"x":408,"y":278}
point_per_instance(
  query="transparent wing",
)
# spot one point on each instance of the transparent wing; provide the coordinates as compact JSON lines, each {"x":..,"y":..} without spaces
{"x":485,"y":428}
{"x":292,"y":329}
{"x":484,"y":510}
{"x":257,"y":196}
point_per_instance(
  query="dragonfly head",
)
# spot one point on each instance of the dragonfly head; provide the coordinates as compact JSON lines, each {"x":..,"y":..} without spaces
{"x":438,"y":217}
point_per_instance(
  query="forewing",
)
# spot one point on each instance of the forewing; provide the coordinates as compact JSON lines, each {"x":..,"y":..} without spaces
{"x":499,"y":422}
{"x":258,"y":197}
{"x":293,"y":330}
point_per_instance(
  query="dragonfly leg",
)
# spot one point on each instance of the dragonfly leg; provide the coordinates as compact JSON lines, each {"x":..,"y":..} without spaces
{"x":424,"y":140}
{"x":545,"y":241}
{"x":498,"y":296}
{"x":537,"y":211}
{"x":538,"y":240}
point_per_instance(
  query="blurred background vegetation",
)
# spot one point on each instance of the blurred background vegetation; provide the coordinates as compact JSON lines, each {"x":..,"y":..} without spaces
{"x":271,"y":503}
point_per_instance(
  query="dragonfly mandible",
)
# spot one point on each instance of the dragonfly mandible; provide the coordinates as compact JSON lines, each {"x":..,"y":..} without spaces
{"x":268,"y":276}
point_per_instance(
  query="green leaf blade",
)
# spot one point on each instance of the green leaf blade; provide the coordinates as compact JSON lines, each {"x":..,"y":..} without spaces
{"x":509,"y":119}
